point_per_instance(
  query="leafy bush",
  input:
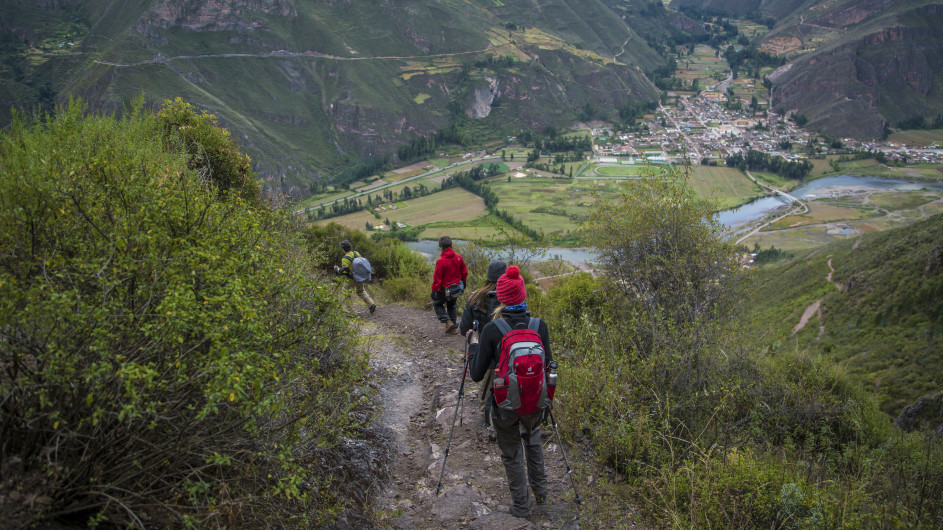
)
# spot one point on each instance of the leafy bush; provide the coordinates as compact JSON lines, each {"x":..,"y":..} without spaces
{"x":214,"y":156}
{"x":411,"y":291}
{"x":168,"y":358}
{"x":389,"y":257}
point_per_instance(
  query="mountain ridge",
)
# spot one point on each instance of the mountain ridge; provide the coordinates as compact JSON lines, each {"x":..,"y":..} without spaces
{"x":308,"y":90}
{"x":856,"y":68}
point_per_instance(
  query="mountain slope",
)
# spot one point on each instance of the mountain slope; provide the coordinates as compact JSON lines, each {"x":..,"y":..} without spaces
{"x":856,"y":66}
{"x":883,"y":65}
{"x":310,"y":87}
{"x":882,"y":317}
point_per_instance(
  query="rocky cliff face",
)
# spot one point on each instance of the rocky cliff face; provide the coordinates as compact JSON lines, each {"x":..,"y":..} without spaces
{"x":483,"y":97}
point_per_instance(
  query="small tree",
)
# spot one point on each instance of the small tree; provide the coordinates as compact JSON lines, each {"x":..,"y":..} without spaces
{"x":661,"y":247}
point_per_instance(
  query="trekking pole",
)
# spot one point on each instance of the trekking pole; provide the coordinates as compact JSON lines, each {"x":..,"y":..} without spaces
{"x":461,"y":391}
{"x":461,"y":416}
{"x":569,"y":471}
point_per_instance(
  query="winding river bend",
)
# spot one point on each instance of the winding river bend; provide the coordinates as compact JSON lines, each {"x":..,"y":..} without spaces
{"x":756,"y":209}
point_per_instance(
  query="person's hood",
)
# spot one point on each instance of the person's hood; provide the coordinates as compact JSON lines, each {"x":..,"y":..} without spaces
{"x":448,"y":253}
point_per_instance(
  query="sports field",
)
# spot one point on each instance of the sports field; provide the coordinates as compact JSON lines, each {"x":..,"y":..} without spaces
{"x":621,"y":170}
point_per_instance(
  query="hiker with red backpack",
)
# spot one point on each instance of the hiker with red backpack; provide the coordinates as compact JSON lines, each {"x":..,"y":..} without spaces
{"x":357,"y":268}
{"x":516,"y":348}
{"x":480,"y":308}
{"x":448,"y":283}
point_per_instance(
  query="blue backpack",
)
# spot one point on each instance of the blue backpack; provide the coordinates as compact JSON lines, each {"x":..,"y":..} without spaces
{"x":360,"y":268}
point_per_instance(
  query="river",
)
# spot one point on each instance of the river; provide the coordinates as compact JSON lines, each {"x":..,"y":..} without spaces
{"x":430,"y":248}
{"x":757,"y":208}
{"x":732,"y":217}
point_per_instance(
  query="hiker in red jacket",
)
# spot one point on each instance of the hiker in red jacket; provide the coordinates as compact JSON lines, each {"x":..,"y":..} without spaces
{"x":448,"y":283}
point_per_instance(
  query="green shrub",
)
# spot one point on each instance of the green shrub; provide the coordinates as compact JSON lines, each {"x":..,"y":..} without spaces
{"x":168,"y":359}
{"x":212,"y":154}
{"x":389,"y":257}
{"x":411,"y":291}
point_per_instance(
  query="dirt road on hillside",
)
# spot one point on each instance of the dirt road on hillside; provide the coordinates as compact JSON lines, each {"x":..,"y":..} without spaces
{"x":418,"y":369}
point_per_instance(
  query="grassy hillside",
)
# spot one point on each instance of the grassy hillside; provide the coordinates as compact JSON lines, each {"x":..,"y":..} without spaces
{"x":882,"y":319}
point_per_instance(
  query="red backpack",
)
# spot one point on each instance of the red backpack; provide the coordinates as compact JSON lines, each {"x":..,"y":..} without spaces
{"x":520,"y":379}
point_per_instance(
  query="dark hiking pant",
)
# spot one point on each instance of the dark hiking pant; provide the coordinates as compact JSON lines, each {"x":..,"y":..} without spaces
{"x":519,"y":438}
{"x":484,"y":392}
{"x":445,"y":309}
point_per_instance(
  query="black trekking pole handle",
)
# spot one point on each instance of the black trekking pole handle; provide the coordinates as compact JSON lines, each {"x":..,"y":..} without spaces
{"x":461,"y":391}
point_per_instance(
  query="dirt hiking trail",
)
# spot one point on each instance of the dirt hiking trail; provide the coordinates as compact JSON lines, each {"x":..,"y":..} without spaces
{"x":417,"y":369}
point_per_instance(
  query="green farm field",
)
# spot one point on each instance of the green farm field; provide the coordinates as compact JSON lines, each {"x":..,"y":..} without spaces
{"x":873,"y":168}
{"x":454,"y":204}
{"x":479,"y":229}
{"x":847,"y":217}
{"x":548,"y":204}
{"x":820,"y":212}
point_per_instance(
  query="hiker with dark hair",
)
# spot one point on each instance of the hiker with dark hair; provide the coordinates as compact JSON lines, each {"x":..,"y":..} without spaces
{"x":480,"y":307}
{"x":448,"y":283}
{"x":357,"y":268}
{"x":518,"y":435}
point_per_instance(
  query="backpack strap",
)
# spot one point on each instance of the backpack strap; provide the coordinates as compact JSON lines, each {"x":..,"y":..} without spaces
{"x":502,"y":325}
{"x":532,"y":323}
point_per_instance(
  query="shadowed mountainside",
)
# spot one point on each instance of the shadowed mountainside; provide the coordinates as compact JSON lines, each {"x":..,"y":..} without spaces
{"x":308,"y":88}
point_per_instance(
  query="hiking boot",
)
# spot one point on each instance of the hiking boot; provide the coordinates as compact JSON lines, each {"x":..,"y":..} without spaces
{"x":373,"y":307}
{"x":541,"y":499}
{"x":518,"y":512}
{"x":451,"y":328}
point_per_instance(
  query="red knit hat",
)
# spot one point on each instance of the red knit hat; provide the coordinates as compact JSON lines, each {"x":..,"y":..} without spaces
{"x":511,"y":287}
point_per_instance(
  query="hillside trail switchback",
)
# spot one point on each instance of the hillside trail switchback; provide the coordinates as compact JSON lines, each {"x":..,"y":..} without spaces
{"x":418,"y":369}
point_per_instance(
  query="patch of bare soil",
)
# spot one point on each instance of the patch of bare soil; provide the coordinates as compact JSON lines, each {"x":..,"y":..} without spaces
{"x":418,"y":371}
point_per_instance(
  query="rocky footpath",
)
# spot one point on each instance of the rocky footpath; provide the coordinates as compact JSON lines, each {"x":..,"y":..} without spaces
{"x":417,"y":369}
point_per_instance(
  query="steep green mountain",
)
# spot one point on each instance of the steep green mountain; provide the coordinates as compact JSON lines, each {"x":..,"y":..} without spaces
{"x":855,"y":66}
{"x":311,"y":87}
{"x":882,"y":318}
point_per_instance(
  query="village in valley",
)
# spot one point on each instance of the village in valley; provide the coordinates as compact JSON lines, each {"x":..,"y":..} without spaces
{"x":701,"y":129}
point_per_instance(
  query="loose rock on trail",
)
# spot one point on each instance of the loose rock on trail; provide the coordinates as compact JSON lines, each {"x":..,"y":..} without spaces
{"x":418,"y":369}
